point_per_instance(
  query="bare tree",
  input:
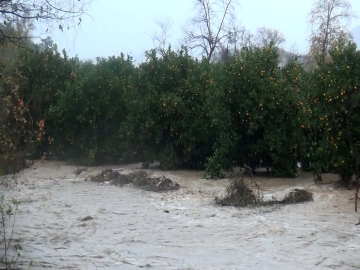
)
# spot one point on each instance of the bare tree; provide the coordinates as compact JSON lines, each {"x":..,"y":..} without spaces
{"x":246,"y":38}
{"x":211,"y":26}
{"x":161,"y":40}
{"x":50,"y":12}
{"x":266,"y":36}
{"x":329,"y":20}
{"x":239,"y":37}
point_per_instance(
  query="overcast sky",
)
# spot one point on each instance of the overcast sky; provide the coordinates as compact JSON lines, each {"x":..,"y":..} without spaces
{"x":126,"y":25}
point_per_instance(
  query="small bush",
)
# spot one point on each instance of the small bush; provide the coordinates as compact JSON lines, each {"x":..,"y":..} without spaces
{"x":10,"y":246}
{"x":168,"y":158}
{"x":88,"y":159}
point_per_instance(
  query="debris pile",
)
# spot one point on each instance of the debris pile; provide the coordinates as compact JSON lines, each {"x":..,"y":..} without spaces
{"x":79,"y":171}
{"x":139,"y":179}
{"x":298,"y":196}
{"x":246,"y":192}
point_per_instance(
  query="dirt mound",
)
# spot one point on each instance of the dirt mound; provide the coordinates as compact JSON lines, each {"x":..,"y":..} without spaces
{"x":139,"y":179}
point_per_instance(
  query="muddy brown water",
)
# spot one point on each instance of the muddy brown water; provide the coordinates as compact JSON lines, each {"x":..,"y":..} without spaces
{"x":130,"y":229}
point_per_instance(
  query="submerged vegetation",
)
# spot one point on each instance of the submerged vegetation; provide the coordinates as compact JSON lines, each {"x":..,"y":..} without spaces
{"x":244,"y":191}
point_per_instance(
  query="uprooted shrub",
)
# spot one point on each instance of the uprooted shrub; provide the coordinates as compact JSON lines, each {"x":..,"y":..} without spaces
{"x":242,"y":192}
{"x":138,"y":179}
{"x":246,"y":192}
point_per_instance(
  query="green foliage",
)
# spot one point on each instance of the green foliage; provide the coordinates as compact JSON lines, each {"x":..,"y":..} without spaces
{"x":18,"y":132}
{"x":334,"y":99}
{"x":41,"y":75}
{"x":56,"y":70}
{"x":168,"y":159}
{"x":256,"y":113}
{"x":87,"y":118}
{"x":167,"y":118}
{"x":188,"y":113}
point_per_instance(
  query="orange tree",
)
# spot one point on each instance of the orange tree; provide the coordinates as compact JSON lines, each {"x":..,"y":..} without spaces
{"x":45,"y":73}
{"x":258,"y":113}
{"x":87,"y":118}
{"x":334,"y":96}
{"x":167,"y":117}
{"x":19,"y":133}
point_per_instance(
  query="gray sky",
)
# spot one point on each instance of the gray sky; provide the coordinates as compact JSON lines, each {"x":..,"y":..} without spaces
{"x":126,"y":25}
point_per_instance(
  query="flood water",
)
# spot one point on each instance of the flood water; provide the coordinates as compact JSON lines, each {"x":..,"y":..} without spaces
{"x":133,"y":229}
